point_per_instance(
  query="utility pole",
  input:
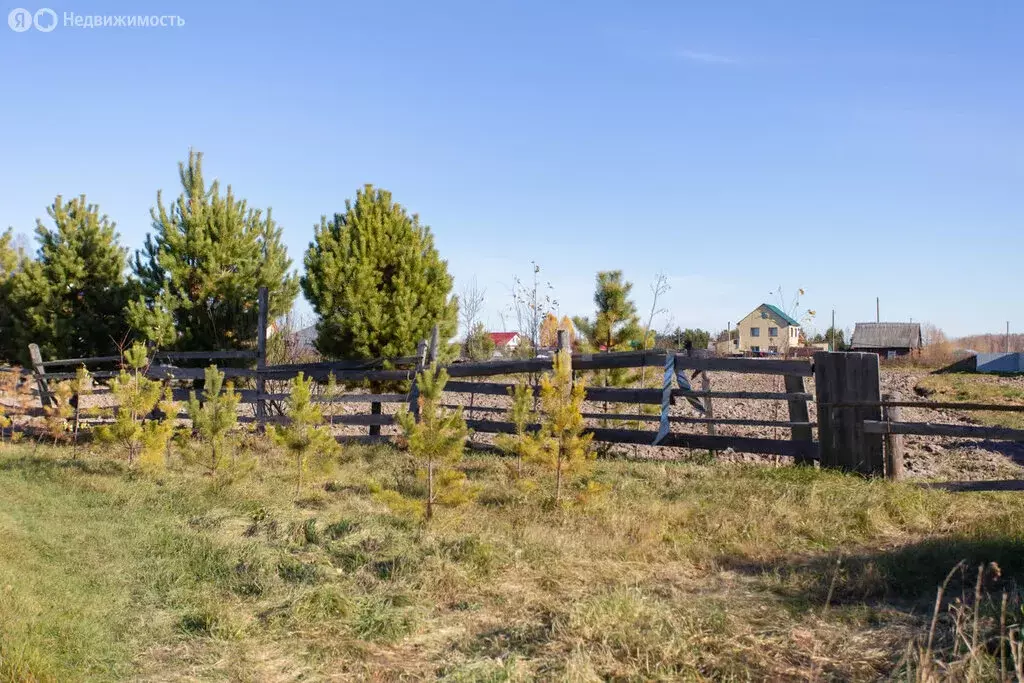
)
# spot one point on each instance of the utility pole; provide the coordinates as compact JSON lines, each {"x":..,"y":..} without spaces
{"x":1007,"y":336}
{"x":878,"y":310}
{"x":832,"y":342}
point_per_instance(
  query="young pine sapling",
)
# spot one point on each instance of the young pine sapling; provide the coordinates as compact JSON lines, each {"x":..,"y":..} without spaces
{"x":216,"y":414}
{"x":143,"y":436}
{"x":304,"y":435}
{"x":523,"y":444}
{"x":57,"y":415}
{"x":437,"y":441}
{"x":562,"y":446}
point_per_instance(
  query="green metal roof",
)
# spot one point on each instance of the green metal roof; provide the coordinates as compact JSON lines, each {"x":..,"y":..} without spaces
{"x":782,"y":314}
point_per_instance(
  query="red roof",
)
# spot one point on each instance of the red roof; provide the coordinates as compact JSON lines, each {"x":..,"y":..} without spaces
{"x":502,"y":338}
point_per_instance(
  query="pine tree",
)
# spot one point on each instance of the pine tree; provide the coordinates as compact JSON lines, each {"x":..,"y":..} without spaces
{"x":304,"y":435}
{"x":202,"y":268}
{"x":563,"y":447}
{"x":71,"y":299}
{"x":479,"y":345}
{"x":615,"y":327}
{"x":142,"y":436}
{"x":437,"y":440}
{"x":11,"y":260}
{"x":10,"y":254}
{"x":523,"y":444}
{"x":376,"y":281}
{"x":215,"y":414}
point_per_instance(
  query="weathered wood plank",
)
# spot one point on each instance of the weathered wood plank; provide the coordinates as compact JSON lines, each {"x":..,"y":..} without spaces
{"x":204,"y":355}
{"x":498,"y":367}
{"x":635,"y":359}
{"x":168,"y":372}
{"x":81,"y":361}
{"x":933,"y":429}
{"x":936,"y":405}
{"x":676,"y":439}
{"x":37,"y":365}
{"x":848,"y":377}
{"x":337,"y":366}
{"x":362,"y":420}
{"x":345,"y":398}
{"x":617,"y":395}
{"x":893,"y":441}
{"x":322,"y":375}
{"x":798,"y":412}
{"x":755,"y":366}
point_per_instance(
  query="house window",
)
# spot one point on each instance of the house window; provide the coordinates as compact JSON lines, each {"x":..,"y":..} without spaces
{"x":755,"y":349}
{"x":773,"y":349}
{"x":773,"y":332}
{"x":755,"y":331}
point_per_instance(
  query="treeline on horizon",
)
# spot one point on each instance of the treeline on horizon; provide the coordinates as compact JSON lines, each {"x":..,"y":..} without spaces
{"x":371,"y":273}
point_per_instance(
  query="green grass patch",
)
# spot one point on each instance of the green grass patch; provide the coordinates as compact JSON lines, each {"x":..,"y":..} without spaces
{"x":974,"y":388}
{"x":671,"y":571}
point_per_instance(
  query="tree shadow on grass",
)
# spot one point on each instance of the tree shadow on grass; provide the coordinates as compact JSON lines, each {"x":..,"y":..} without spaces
{"x":906,"y":577}
{"x":40,"y":465}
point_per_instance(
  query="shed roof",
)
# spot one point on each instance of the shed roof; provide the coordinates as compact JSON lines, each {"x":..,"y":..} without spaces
{"x":886,"y":336}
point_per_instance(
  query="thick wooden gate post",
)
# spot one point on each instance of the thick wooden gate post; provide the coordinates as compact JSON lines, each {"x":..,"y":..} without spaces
{"x":893,"y":442}
{"x":261,"y":358}
{"x":798,"y":413}
{"x":37,"y":365}
{"x":841,"y":379}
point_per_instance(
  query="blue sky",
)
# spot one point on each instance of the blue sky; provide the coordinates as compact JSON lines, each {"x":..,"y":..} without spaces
{"x":854,"y":149}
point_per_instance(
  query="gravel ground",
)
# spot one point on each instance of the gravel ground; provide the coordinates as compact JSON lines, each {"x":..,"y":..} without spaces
{"x":928,"y":457}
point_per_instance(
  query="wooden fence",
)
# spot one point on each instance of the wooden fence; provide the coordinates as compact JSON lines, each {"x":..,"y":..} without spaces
{"x":857,"y":430}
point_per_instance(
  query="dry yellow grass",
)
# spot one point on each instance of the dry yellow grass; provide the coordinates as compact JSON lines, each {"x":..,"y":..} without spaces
{"x":675,"y":572}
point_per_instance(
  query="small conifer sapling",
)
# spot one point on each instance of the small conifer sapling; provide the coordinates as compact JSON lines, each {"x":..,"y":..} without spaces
{"x":216,"y":414}
{"x":304,"y":436}
{"x":437,"y":440}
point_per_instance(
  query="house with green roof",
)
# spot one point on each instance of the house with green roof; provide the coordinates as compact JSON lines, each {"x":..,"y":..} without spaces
{"x":767,"y":330}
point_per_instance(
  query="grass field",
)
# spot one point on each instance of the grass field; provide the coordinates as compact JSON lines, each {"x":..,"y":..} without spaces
{"x":977,"y":388}
{"x":656,"y":571}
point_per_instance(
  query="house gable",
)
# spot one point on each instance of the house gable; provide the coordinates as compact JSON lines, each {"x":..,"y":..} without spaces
{"x":767,"y":329}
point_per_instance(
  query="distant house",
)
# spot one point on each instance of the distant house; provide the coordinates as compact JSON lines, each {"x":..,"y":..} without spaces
{"x":767,"y":330}
{"x":890,"y":340}
{"x":505,"y":342}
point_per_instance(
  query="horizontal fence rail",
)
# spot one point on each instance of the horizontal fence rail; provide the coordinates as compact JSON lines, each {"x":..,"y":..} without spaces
{"x":271,"y":405}
{"x":936,"y":429}
{"x":936,"y":405}
{"x":635,"y":359}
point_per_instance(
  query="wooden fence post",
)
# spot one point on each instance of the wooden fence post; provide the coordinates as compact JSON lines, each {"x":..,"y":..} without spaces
{"x":414,"y":390}
{"x":709,"y":407}
{"x":432,"y":349}
{"x":893,"y":442}
{"x":798,"y":413}
{"x":37,"y":365}
{"x":261,"y":358}
{"x":842,"y":378}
